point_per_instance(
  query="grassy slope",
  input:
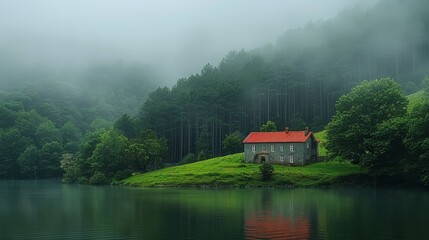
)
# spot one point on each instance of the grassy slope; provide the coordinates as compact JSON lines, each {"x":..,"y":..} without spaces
{"x":416,"y":98}
{"x":230,"y":171}
{"x":321,"y":136}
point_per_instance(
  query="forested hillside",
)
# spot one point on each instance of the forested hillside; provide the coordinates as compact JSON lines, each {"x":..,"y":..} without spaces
{"x":40,"y":120}
{"x":294,"y":82}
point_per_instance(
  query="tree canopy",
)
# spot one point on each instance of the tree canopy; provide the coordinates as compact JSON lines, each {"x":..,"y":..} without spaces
{"x":364,"y":115}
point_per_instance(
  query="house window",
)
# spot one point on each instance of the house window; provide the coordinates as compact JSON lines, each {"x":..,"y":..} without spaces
{"x":264,"y":148}
{"x":291,"y":158}
{"x":273,"y":149}
{"x":253,"y":148}
{"x":282,"y":158}
{"x":308,"y":145}
{"x":281,"y":148}
{"x":292,"y":148}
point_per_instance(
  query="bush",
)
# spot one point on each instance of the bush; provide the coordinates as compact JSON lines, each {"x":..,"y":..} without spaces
{"x":266,"y":171}
{"x":190,"y":158}
{"x":202,"y":156}
{"x":98,"y":179}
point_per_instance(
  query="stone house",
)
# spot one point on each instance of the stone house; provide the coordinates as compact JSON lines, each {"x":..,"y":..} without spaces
{"x":287,"y":147}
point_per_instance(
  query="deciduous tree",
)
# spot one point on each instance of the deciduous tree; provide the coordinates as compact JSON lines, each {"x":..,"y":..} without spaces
{"x":360,"y":116}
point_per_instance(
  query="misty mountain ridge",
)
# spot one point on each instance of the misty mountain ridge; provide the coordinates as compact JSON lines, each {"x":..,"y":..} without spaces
{"x":294,"y":82}
{"x":388,"y":40}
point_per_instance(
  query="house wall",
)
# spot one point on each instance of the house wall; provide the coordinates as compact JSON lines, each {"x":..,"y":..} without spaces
{"x":274,"y":157}
{"x":301,"y":154}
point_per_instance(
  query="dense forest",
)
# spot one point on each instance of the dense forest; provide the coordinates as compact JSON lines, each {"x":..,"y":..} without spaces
{"x":44,"y":119}
{"x":294,"y":82}
{"x":113,"y":122}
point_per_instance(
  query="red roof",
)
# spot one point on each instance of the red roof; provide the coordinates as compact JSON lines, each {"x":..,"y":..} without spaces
{"x":278,"y":137}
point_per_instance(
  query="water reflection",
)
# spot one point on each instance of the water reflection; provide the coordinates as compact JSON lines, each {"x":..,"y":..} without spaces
{"x":50,"y":210}
{"x":277,"y":216}
{"x":266,"y":225}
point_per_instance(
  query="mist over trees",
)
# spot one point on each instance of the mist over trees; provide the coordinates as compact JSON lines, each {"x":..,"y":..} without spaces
{"x":40,"y":120}
{"x":294,"y":82}
{"x":108,"y":120}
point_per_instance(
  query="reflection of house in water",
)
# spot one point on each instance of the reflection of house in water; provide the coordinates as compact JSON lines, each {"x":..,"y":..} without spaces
{"x":266,"y":225}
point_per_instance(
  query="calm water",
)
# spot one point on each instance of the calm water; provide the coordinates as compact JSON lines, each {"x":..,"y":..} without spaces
{"x":51,"y":210}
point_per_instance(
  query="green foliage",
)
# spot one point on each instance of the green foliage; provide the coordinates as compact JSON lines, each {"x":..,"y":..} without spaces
{"x":202,"y":156}
{"x":98,"y":179}
{"x":121,"y":175}
{"x":425,"y":84}
{"x":321,"y":136}
{"x":51,"y":117}
{"x":266,"y":171}
{"x":71,"y":136}
{"x":137,"y":154}
{"x":417,"y":141}
{"x":100,"y":124}
{"x":108,"y":156}
{"x":389,"y":144}
{"x":47,"y":132}
{"x":410,"y":87}
{"x":70,"y":166}
{"x":126,"y":126}
{"x":12,"y":144}
{"x":385,"y":147}
{"x":29,"y":162}
{"x":7,"y":117}
{"x":416,"y":99}
{"x":113,"y":155}
{"x":268,"y":127}
{"x":359,"y":114}
{"x":50,"y":157}
{"x":189,"y":158}
{"x":295,"y":81}
{"x":156,"y":149}
{"x":232,"y":143}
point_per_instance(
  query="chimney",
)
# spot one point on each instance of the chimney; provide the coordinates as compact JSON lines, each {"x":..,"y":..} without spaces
{"x":306,"y":131}
{"x":286,"y":129}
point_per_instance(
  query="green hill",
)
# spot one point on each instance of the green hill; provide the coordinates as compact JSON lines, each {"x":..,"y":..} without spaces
{"x":416,"y":98}
{"x":229,"y":171}
{"x":321,"y":136}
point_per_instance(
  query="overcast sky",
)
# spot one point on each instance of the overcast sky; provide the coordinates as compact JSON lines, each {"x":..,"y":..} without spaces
{"x":177,"y":36}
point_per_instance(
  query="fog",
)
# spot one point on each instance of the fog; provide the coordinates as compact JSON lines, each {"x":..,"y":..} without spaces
{"x":175,"y":38}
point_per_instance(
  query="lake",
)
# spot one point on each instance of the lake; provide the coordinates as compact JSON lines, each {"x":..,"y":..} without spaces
{"x":51,"y":210}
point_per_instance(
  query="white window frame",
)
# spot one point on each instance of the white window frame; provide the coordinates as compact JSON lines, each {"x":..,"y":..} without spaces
{"x":291,"y":158}
{"x":292,"y":148}
{"x":273,"y":148}
{"x":282,"y":158}
{"x":281,"y":148}
{"x":264,"y":148}
{"x":308,"y":145}
{"x":253,"y":148}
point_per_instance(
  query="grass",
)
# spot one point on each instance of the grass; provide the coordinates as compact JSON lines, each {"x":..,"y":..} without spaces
{"x":229,"y":171}
{"x":416,"y":98}
{"x":321,"y":136}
